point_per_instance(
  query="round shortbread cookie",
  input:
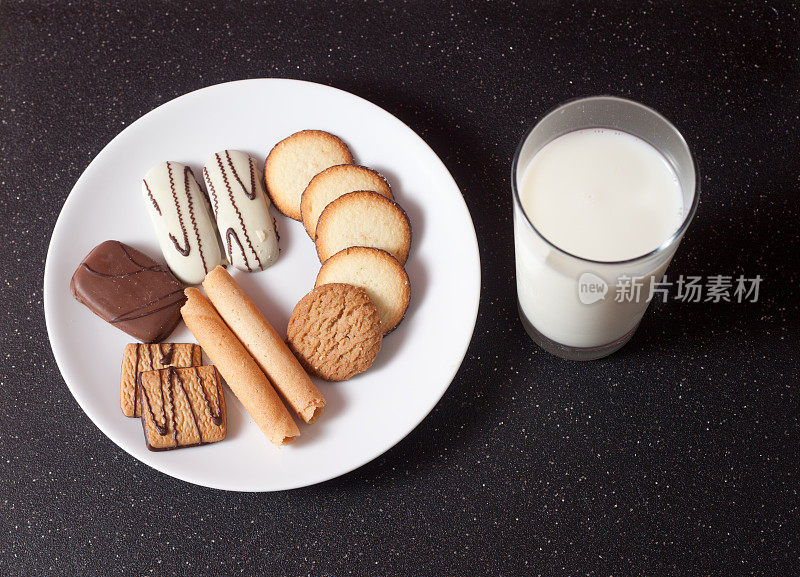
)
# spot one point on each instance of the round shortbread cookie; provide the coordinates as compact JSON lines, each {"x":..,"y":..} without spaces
{"x":335,"y":331}
{"x":377,"y":272}
{"x":332,"y":183}
{"x":363,"y":218}
{"x":295,"y":160}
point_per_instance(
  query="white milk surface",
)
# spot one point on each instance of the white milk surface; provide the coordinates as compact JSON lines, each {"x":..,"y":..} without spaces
{"x":602,"y":194}
{"x":599,"y":194}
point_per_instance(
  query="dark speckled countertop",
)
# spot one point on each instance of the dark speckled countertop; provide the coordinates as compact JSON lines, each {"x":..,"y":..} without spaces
{"x":676,"y":456}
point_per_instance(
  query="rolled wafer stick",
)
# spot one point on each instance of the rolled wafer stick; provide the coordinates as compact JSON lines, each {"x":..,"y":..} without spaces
{"x":265,"y":345}
{"x":250,"y":385}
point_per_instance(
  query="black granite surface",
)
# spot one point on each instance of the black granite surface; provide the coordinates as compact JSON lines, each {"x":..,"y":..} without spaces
{"x":677,"y":456}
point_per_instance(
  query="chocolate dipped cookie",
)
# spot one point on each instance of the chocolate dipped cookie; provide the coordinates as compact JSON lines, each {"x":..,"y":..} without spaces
{"x":130,"y":290}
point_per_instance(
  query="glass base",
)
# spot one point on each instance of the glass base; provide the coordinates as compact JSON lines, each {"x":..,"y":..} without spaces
{"x":573,"y":353}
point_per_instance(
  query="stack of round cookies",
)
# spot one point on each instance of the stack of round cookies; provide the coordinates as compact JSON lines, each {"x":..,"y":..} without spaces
{"x":362,"y":238}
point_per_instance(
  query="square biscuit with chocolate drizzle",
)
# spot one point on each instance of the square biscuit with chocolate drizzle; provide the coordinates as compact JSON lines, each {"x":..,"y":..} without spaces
{"x":138,"y":357}
{"x":181,"y":407}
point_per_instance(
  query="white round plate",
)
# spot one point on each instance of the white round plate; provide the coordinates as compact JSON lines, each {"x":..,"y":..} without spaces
{"x":366,"y":415}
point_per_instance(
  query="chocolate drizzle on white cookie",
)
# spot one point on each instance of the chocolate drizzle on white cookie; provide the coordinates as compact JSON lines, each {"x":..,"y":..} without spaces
{"x":152,"y":198}
{"x":210,"y":184}
{"x":230,"y":235}
{"x":186,"y":249}
{"x":250,"y":194}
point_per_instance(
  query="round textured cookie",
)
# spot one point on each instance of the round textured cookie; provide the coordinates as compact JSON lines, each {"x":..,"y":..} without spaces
{"x":363,"y":218}
{"x":335,"y":331}
{"x":332,"y":183}
{"x":295,"y":160}
{"x":377,"y":272}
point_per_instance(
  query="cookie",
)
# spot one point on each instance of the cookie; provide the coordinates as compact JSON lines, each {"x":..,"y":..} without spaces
{"x":181,"y":407}
{"x":241,"y":210}
{"x":294,"y":161}
{"x":363,"y":218}
{"x":377,"y":272}
{"x":137,"y":358}
{"x":332,"y":183}
{"x":182,"y":219}
{"x":130,"y":290}
{"x":335,"y":331}
{"x":264,"y":344}
{"x":243,"y":375}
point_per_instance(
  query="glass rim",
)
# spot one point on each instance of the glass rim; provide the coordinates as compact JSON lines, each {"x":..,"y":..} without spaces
{"x":687,"y":219}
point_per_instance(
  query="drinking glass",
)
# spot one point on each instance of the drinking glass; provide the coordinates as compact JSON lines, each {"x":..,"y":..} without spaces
{"x":569,"y":305}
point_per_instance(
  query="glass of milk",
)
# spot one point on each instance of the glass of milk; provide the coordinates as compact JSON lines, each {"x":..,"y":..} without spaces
{"x":604,"y":189}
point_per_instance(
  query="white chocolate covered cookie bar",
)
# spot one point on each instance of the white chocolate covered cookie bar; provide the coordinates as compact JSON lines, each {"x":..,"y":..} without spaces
{"x":242,"y":210}
{"x":182,"y":218}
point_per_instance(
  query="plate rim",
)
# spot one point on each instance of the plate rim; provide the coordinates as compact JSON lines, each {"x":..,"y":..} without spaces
{"x":360,"y":462}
